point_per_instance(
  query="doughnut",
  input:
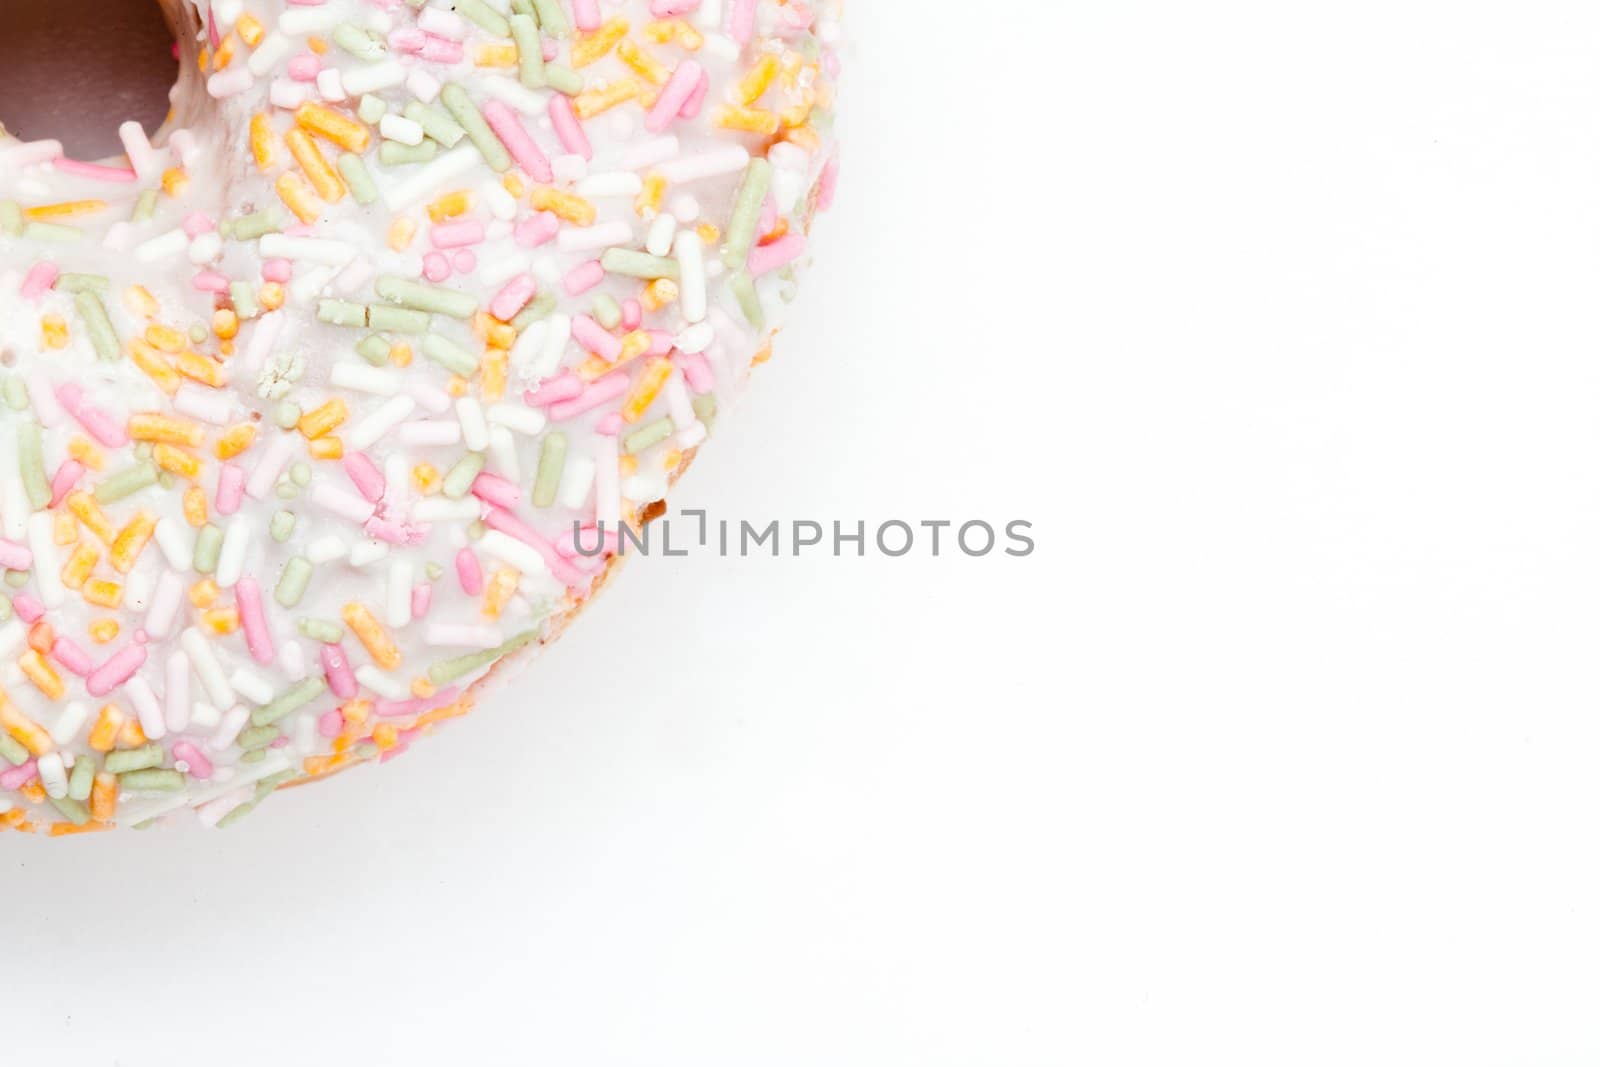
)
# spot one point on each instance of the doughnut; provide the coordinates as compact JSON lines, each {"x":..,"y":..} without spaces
{"x":328,"y":400}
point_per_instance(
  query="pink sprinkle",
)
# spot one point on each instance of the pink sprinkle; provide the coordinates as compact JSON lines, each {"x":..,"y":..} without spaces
{"x":421,"y":601}
{"x":194,"y":759}
{"x":440,"y":50}
{"x":393,"y":532}
{"x":72,"y":657}
{"x":101,"y":427}
{"x":116,"y":670}
{"x":304,"y":68}
{"x":15,"y":557}
{"x":632,"y":314}
{"x":95,"y":171}
{"x":567,"y":128}
{"x":336,"y":665}
{"x":209,"y":281}
{"x":828,"y":184}
{"x":198,"y":223}
{"x":583,"y":277}
{"x":407,"y":40}
{"x":513,"y":297}
{"x":230,"y":488}
{"x":742,"y":21}
{"x":67,"y":476}
{"x":277,"y":270}
{"x":496,"y":490}
{"x":535,"y":231}
{"x":465,"y":261}
{"x":512,"y":526}
{"x":598,"y":392}
{"x":660,"y":343}
{"x":678,"y":90}
{"x":39,"y":280}
{"x":329,"y":723}
{"x":457,"y":234}
{"x":503,"y":121}
{"x":28,"y":609}
{"x":609,"y":425}
{"x":696,"y":372}
{"x":785,"y":250}
{"x":586,"y":14}
{"x":253,"y":618}
{"x":562,"y":387}
{"x":370,"y":482}
{"x":435,"y":267}
{"x":697,"y":99}
{"x":469,"y":572}
{"x":19,"y":776}
{"x":666,"y":9}
{"x":591,"y":335}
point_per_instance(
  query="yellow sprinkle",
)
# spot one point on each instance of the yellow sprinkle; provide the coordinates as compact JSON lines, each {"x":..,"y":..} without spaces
{"x":591,"y":47}
{"x":294,"y":192}
{"x":198,"y":368}
{"x":65,"y":210}
{"x":86,"y":452}
{"x":25,"y":731}
{"x":643,"y":62}
{"x":648,"y":202}
{"x":104,"y":631}
{"x":103,"y":593}
{"x":501,"y":588}
{"x":103,"y":797}
{"x":149,"y":426}
{"x":593,"y":102}
{"x":225,"y":324}
{"x":401,"y":231}
{"x":326,"y":448}
{"x":324,"y":179}
{"x":53,"y":332}
{"x":138,"y":301}
{"x":317,"y":45}
{"x":754,"y":84}
{"x":426,"y":477}
{"x":261,"y":141}
{"x":131,"y":541}
{"x":204,"y":593}
{"x":646,"y":388}
{"x":66,"y":528}
{"x":568,"y":206}
{"x":270,"y":296}
{"x":177,"y":461}
{"x":221,"y":621}
{"x":250,"y":31}
{"x":400,"y":354}
{"x":194,"y":506}
{"x":79,"y":565}
{"x":88,"y":512}
{"x":322,"y":420}
{"x":498,"y":54}
{"x":174,"y":182}
{"x":379,"y":645}
{"x":659,"y":293}
{"x":748,"y":119}
{"x":150,"y":360}
{"x":492,"y":380}
{"x":347,"y":133}
{"x":450,"y":205}
{"x":165,"y":338}
{"x":104,"y":733}
{"x":42,"y":675}
{"x":236,"y":440}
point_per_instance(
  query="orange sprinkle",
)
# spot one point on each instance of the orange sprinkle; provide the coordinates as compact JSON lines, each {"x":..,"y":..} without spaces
{"x":131,"y":541}
{"x":379,"y":645}
{"x":294,"y":192}
{"x":236,"y":440}
{"x":322,"y":420}
{"x":348,"y":134}
{"x":42,"y":675}
{"x":567,"y":206}
{"x":201,"y":369}
{"x":324,"y":179}
{"x":103,"y":797}
{"x":103,"y":736}
{"x":150,"y":360}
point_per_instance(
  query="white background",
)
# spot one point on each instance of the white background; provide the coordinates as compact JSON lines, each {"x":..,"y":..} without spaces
{"x":1279,"y":322}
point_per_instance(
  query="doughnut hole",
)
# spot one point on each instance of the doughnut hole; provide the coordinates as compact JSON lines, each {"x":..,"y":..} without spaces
{"x":74,"y":70}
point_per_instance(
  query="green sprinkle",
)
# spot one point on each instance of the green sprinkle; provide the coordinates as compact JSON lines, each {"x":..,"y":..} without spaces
{"x":359,"y":42}
{"x":436,"y":123}
{"x":342,"y":313}
{"x":446,"y":671}
{"x":282,"y":526}
{"x":30,"y":458}
{"x":530,"y":50}
{"x":552,"y":19}
{"x":83,"y":283}
{"x":127,"y":482}
{"x":5,"y":608}
{"x":267,"y":785}
{"x":743,"y":287}
{"x":145,"y":209}
{"x":395,"y":154}
{"x":419,"y":297}
{"x":207,"y":545}
{"x":18,"y":579}
{"x":134,"y":759}
{"x":540,"y":308}
{"x":321,"y":630}
{"x":13,"y":752}
{"x":98,"y":323}
{"x":434,"y":571}
{"x":252,"y":227}
{"x":645,"y":436}
{"x":358,"y":177}
{"x":286,"y":415}
{"x":705,"y":407}
{"x":643,"y":265}
{"x":746,"y":214}
{"x":291,"y":701}
{"x":374,"y":349}
{"x":563,"y":80}
{"x":244,"y":300}
{"x":235,"y":815}
{"x":51,"y":231}
{"x":459,"y":481}
{"x":300,"y":474}
{"x":607,"y":312}
{"x":397,"y":320}
{"x":15,"y":391}
{"x":11,"y":220}
{"x":484,"y":15}
{"x":257,"y":737}
{"x":449,"y":355}
{"x":71,"y":810}
{"x":294,"y":582}
{"x":198,"y":333}
{"x":460,"y":105}
{"x":81,"y":784}
{"x":153,"y":781}
{"x":552,"y":458}
{"x":372,"y":109}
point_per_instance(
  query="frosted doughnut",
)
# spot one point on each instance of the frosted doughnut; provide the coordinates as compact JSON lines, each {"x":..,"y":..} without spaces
{"x":316,"y":402}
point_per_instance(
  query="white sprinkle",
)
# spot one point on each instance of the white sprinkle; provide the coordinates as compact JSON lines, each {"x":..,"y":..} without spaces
{"x":402,"y":575}
{"x":558,"y":331}
{"x":176,"y":541}
{"x":273,"y":49}
{"x":384,"y":685}
{"x":70,"y":723}
{"x":271,"y":464}
{"x":300,"y":21}
{"x":203,"y":715}
{"x":230,"y":82}
{"x":52,"y":774}
{"x":443,"y":509}
{"x":516,"y":96}
{"x":205,"y":247}
{"x":425,"y":433}
{"x":695,"y":339}
{"x":503,"y":453}
{"x":364,"y":378}
{"x":431,"y":177}
{"x":460,"y":635}
{"x":164,"y":605}
{"x":442,"y":23}
{"x":474,"y":430}
{"x":162,"y":246}
{"x":365,"y":553}
{"x":331,"y":84}
{"x":576,"y":480}
{"x":228,"y":729}
{"x":374,"y":77}
{"x":502,"y":205}
{"x":152,"y":718}
{"x":208,"y":405}
{"x":729,"y":159}
{"x":288,"y":94}
{"x":307,"y":249}
{"x":326,"y":549}
{"x":230,"y":561}
{"x":178,"y":692}
{"x":370,"y":430}
{"x":509,"y":550}
{"x":423,"y":86}
{"x":691,"y":275}
{"x":252,"y":686}
{"x":146,"y":164}
{"x":610,"y":183}
{"x":341,"y":502}
{"x":647,"y":154}
{"x":518,"y":417}
{"x":14,"y":504}
{"x":46,"y":559}
{"x":12,"y":636}
{"x":659,"y":240}
{"x":401,"y":129}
